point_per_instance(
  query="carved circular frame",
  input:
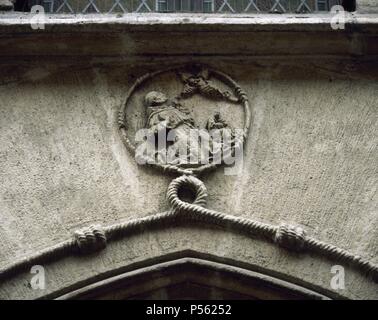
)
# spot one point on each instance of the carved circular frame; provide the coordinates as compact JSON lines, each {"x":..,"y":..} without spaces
{"x":237,"y":90}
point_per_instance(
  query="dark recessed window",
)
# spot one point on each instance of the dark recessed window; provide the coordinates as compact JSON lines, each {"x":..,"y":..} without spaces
{"x":199,"y":6}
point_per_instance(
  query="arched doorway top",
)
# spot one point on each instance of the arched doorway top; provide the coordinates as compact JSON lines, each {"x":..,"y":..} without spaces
{"x":192,"y":278}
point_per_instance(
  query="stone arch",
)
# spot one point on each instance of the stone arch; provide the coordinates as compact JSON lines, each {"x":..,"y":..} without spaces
{"x":158,"y":247}
{"x":192,"y":278}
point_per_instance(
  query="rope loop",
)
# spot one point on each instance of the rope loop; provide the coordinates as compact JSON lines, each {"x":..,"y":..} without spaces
{"x":190,"y":182}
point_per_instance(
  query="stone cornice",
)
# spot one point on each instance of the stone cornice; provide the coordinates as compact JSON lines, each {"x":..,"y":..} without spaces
{"x":173,"y":34}
{"x":235,"y":22}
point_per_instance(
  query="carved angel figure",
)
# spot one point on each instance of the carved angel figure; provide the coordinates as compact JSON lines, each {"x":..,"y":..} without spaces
{"x":199,"y":82}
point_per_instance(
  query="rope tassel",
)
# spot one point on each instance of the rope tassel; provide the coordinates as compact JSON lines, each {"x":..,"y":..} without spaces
{"x":90,"y":239}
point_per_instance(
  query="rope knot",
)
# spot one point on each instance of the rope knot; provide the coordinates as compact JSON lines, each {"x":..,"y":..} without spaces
{"x":192,"y":183}
{"x":290,"y":237}
{"x":90,"y":239}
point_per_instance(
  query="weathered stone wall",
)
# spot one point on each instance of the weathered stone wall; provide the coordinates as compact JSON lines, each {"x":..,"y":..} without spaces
{"x":310,"y":160}
{"x":367,"y":6}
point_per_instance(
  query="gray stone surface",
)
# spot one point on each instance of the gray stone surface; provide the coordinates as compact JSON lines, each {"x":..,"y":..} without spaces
{"x":367,"y":6}
{"x":310,"y":160}
{"x":136,"y":34}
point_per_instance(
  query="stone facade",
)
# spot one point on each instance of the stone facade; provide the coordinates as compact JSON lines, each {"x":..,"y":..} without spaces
{"x":310,"y":157}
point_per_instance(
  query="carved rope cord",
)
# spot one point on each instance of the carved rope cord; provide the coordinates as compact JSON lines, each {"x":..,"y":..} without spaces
{"x":94,"y":238}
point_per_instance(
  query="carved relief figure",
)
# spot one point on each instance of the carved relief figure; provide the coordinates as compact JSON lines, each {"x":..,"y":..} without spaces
{"x":174,"y":140}
{"x":198,"y":82}
{"x":167,"y":117}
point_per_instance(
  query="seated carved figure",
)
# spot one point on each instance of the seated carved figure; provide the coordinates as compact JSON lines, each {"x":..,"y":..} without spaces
{"x":175,"y":123}
{"x":181,"y":143}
